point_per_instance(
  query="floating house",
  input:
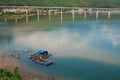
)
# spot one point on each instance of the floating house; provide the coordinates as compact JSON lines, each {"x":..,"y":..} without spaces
{"x":42,"y":52}
{"x":41,"y":57}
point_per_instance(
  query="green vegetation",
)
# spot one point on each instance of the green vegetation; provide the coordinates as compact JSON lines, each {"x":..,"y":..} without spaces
{"x":10,"y":16}
{"x":6,"y":74}
{"x":68,"y":3}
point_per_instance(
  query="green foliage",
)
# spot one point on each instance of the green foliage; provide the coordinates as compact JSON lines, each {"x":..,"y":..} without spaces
{"x":6,"y":74}
{"x":16,"y":73}
{"x":59,"y":3}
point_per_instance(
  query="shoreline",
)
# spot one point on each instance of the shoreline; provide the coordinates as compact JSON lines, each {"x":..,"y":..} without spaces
{"x":25,"y":72}
{"x":13,"y":16}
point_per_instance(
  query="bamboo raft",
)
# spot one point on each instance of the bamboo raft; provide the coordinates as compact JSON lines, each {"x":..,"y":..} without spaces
{"x":41,"y":58}
{"x":45,"y":62}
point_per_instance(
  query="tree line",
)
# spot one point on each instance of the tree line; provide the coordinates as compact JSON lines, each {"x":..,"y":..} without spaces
{"x":67,"y":3}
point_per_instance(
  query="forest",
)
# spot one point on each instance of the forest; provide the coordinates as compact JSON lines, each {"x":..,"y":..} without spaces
{"x":63,"y":3}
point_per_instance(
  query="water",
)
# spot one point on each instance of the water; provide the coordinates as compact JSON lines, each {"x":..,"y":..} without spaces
{"x":84,"y":49}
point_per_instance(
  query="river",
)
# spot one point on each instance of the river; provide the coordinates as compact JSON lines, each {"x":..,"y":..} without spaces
{"x":83,"y":49}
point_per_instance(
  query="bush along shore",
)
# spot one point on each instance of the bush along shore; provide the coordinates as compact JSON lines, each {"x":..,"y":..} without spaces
{"x":11,"y":16}
{"x":6,"y":74}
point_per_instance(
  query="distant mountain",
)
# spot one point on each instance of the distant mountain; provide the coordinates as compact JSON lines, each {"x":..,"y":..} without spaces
{"x":68,"y":3}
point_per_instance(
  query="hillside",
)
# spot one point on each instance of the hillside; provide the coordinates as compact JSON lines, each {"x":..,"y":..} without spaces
{"x":68,"y":3}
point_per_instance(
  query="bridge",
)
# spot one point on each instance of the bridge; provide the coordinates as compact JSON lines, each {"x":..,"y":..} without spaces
{"x":59,"y":10}
{"x":63,"y":8}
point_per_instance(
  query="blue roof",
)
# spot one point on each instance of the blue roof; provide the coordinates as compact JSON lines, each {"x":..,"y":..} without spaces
{"x":42,"y":51}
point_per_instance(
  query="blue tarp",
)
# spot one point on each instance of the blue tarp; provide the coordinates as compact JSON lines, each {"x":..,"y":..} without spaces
{"x":42,"y":51}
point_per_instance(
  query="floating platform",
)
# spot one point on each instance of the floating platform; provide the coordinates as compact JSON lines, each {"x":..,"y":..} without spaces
{"x":41,"y":58}
{"x":45,"y":62}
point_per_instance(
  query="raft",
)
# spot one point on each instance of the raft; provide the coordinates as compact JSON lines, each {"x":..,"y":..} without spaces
{"x":41,"y":58}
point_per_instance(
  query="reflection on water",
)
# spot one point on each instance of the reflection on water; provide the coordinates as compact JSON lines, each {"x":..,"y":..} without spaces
{"x":84,"y":49}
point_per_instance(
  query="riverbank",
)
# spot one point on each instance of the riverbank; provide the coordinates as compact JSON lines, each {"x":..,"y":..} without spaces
{"x":11,"y":16}
{"x":25,"y":72}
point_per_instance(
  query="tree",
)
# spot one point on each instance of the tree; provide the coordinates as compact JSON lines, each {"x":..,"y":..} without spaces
{"x":6,"y":74}
{"x":16,"y":74}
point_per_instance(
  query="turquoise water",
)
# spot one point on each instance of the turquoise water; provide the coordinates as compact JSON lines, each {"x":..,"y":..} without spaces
{"x":83,"y":49}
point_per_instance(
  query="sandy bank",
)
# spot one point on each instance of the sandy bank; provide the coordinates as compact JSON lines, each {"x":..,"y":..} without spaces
{"x":27,"y":73}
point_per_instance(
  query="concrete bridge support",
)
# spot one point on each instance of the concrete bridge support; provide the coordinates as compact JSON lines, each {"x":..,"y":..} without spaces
{"x":16,"y":20}
{"x":109,"y":14}
{"x":49,"y":13}
{"x":5,"y":20}
{"x":26,"y":11}
{"x":97,"y":14}
{"x":84,"y":14}
{"x":61,"y":15}
{"x":73,"y":14}
{"x":4,"y":10}
{"x":38,"y":15}
{"x":15,"y":10}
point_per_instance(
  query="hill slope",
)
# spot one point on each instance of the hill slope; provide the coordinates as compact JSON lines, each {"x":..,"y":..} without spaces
{"x":75,"y":3}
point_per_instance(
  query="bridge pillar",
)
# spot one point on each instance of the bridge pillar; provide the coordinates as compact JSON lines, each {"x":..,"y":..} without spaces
{"x":38,"y":15}
{"x":109,"y":15}
{"x":4,"y":10}
{"x":97,"y":14}
{"x":16,"y":20}
{"x":26,"y":16}
{"x":84,"y":14}
{"x":49,"y":13}
{"x":15,"y":10}
{"x":5,"y":20}
{"x":61,"y":15}
{"x":73,"y":14}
